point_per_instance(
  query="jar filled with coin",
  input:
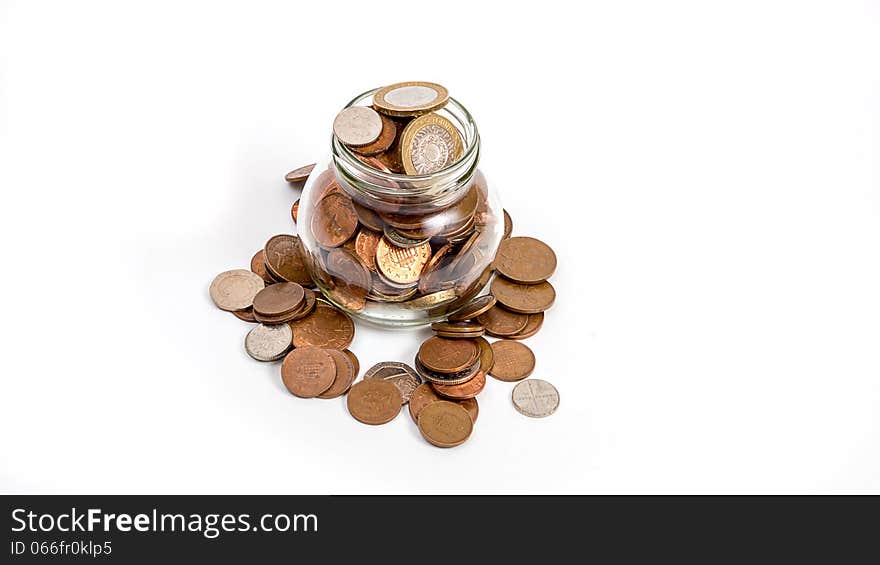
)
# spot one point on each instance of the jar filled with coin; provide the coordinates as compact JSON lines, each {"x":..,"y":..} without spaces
{"x":397,"y":225}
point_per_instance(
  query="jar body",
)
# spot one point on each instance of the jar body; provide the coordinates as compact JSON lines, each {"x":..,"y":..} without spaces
{"x":399,"y":258}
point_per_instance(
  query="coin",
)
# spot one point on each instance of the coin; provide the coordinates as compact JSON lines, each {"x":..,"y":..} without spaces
{"x":463,"y":391}
{"x":326,"y":327}
{"x":487,"y":356}
{"x":434,"y":299}
{"x":334,"y":220}
{"x":235,"y":289}
{"x":308,"y":306}
{"x":456,"y":327}
{"x":474,"y":308}
{"x":374,"y":401}
{"x":456,"y":378}
{"x":500,"y":322}
{"x":357,"y":125}
{"x":523,"y":298}
{"x":268,"y":343}
{"x":428,"y":144}
{"x":424,"y":394}
{"x":401,"y":265}
{"x":448,"y":355}
{"x":532,"y":326}
{"x":354,"y":361}
{"x":400,"y":240}
{"x":279,"y":299}
{"x":365,"y":244}
{"x":308,"y":371}
{"x":368,"y":218}
{"x":294,"y":210}
{"x":401,"y":375}
{"x":300,"y":174}
{"x":445,"y":424}
{"x":375,"y":163}
{"x":345,"y":374}
{"x":258,"y":266}
{"x":514,"y":361}
{"x":535,"y":398}
{"x":350,"y":277}
{"x":435,"y":276}
{"x":246,"y":315}
{"x":283,"y":258}
{"x":508,"y":225}
{"x":525,"y":260}
{"x":410,"y":98}
{"x":383,"y":142}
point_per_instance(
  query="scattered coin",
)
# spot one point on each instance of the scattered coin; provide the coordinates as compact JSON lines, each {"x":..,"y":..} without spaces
{"x":445,"y":424}
{"x":424,"y":394}
{"x":401,"y":375}
{"x":429,"y":143}
{"x":500,"y":322}
{"x":246,"y":315}
{"x":474,"y":308}
{"x":258,"y":265}
{"x":294,"y":210}
{"x":334,"y":220}
{"x":410,"y":98}
{"x":282,"y":256}
{"x":457,"y":327}
{"x":357,"y":125}
{"x":464,"y":390}
{"x":513,"y":361}
{"x":278,"y":300}
{"x":456,"y":378}
{"x":525,"y":260}
{"x":448,"y":355}
{"x":532,"y":327}
{"x":235,"y":289}
{"x":326,"y":327}
{"x":345,"y":375}
{"x":300,"y":174}
{"x":523,"y":298}
{"x":268,"y":343}
{"x":535,"y":398}
{"x":508,"y":225}
{"x":374,"y":401}
{"x":308,"y":371}
{"x":354,"y":361}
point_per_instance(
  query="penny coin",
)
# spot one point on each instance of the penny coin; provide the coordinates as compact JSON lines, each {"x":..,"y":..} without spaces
{"x":435,"y":275}
{"x":401,"y":265}
{"x":374,"y":401}
{"x":410,"y":98}
{"x":424,"y":394}
{"x":432,"y":300}
{"x":523,"y":298}
{"x":456,"y":327}
{"x":334,"y":220}
{"x":368,"y":218}
{"x":464,"y":390}
{"x":345,"y":375}
{"x":246,"y":315}
{"x":532,"y":326}
{"x":350,"y":279}
{"x":535,"y":398}
{"x":487,"y":356}
{"x":375,"y":163}
{"x":268,"y":343}
{"x":428,"y":144}
{"x":327,"y":327}
{"x":294,"y":210}
{"x":514,"y":361}
{"x":474,"y":308}
{"x":357,"y":125}
{"x":525,"y":260}
{"x":308,"y":305}
{"x":383,"y":142}
{"x":354,"y":361}
{"x":445,"y":424}
{"x":279,"y":299}
{"x":365,"y":244}
{"x":258,"y":265}
{"x":308,"y":371}
{"x":501,"y":323}
{"x":401,"y":240}
{"x":508,"y":225}
{"x":448,"y":355}
{"x":283,"y":258}
{"x":456,"y":378}
{"x":235,"y":289}
{"x":300,"y":174}
{"x":402,"y":375}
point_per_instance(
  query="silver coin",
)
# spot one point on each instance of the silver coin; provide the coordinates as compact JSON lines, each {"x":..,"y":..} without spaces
{"x":535,"y":398}
{"x":358,"y":125}
{"x":235,"y":289}
{"x":268,"y":343}
{"x":401,"y":240}
{"x":448,"y":379}
{"x":402,"y":375}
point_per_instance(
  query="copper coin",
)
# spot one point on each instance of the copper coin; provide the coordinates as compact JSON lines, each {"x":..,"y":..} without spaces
{"x":279,"y":299}
{"x":523,"y":298}
{"x":514,"y":361}
{"x":508,"y":225}
{"x":448,"y":355}
{"x":354,"y":361}
{"x":368,"y":218}
{"x":532,"y":327}
{"x":501,"y":322}
{"x":308,"y":306}
{"x":334,"y":220}
{"x":457,"y":378}
{"x":327,"y":327}
{"x":345,"y":375}
{"x":283,"y":258}
{"x":375,"y":163}
{"x":399,"y":264}
{"x":294,"y":210}
{"x":374,"y":401}
{"x":365,"y":244}
{"x":258,"y":265}
{"x":235,"y":289}
{"x":246,"y":315}
{"x":457,"y":327}
{"x":435,"y":275}
{"x":474,"y":308}
{"x":300,"y":174}
{"x":445,"y":424}
{"x":462,"y":391}
{"x":424,"y":394}
{"x":357,"y":125}
{"x":525,"y":260}
{"x":350,"y":277}
{"x":402,"y":375}
{"x":308,"y":371}
{"x":487,"y":356}
{"x":383,"y":142}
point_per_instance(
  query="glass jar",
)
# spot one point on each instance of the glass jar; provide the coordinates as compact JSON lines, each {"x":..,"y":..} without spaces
{"x":396,"y":249}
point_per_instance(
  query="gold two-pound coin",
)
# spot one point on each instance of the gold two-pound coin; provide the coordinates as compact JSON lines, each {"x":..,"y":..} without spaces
{"x":428,"y":144}
{"x":410,"y":98}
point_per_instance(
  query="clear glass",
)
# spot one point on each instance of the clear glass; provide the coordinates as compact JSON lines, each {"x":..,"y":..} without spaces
{"x":451,"y":221}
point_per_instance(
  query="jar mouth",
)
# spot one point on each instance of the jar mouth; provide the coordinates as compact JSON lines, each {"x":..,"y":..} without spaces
{"x":379,"y":183}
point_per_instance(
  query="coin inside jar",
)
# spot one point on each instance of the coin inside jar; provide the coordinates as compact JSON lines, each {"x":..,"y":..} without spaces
{"x":428,"y":144}
{"x":401,"y":265}
{"x":525,"y":260}
{"x":308,"y":371}
{"x":374,"y":401}
{"x":445,"y":424}
{"x":235,"y":289}
{"x":357,"y":125}
{"x":334,"y":220}
{"x":350,"y":277}
{"x":365,"y":244}
{"x":410,"y":98}
{"x":448,"y":355}
{"x":513,"y":361}
{"x":523,"y":298}
{"x":382,"y":143}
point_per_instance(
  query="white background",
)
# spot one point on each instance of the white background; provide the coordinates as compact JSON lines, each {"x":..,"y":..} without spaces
{"x":706,"y":172}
